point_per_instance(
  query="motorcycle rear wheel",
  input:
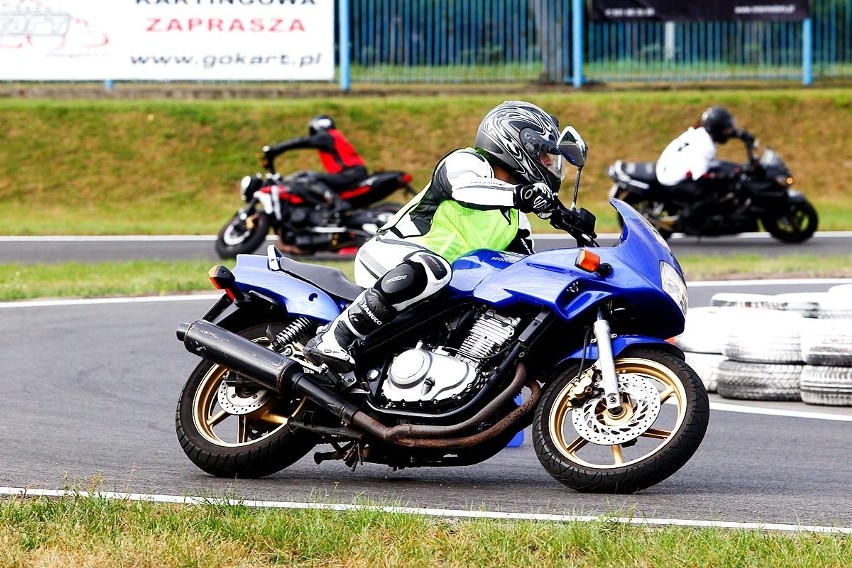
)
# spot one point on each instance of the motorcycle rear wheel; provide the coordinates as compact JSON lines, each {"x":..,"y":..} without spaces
{"x":251,"y":437}
{"x":793,"y":223}
{"x":593,"y":452}
{"x":651,"y":210}
{"x":242,"y":237}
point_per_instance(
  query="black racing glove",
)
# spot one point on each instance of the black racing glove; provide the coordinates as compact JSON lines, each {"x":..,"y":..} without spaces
{"x":536,"y":198}
{"x":580,"y":223}
{"x":746,"y":136}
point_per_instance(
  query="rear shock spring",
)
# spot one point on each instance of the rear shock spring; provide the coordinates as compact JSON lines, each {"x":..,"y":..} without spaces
{"x":299,"y":329}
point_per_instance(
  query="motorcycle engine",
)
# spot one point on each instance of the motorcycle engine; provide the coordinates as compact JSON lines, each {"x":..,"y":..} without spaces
{"x":305,"y":218}
{"x":422,"y":375}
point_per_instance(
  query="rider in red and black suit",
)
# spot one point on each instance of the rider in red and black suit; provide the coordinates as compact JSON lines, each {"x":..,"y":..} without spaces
{"x":344,"y":166}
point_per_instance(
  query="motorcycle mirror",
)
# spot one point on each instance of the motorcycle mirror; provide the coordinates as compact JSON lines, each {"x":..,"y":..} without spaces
{"x":573,"y":147}
{"x":575,"y":150}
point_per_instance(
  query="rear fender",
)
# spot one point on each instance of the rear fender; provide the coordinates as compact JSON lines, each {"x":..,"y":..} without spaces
{"x":620,"y":346}
{"x":225,"y":313}
{"x":297,"y":297}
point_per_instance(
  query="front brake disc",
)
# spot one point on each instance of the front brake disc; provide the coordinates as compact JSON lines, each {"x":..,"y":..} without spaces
{"x":641,"y":403}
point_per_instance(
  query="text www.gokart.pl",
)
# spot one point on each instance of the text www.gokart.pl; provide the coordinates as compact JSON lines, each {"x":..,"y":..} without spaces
{"x":210,"y":61}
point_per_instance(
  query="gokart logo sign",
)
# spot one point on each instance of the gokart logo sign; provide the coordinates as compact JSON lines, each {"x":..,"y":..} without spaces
{"x":83,"y":40}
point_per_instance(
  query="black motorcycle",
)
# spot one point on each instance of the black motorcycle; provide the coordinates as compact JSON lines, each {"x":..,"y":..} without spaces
{"x":739,"y":197}
{"x":305,"y":222}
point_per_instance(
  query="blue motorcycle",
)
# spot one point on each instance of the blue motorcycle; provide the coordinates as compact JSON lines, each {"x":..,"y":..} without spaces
{"x":580,"y":332}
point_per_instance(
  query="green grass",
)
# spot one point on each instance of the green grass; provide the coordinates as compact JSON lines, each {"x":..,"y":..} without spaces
{"x":81,"y":280}
{"x":93,"y":531}
{"x":172,"y":166}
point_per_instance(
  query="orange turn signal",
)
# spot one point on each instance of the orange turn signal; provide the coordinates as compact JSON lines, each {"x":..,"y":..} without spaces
{"x":588,"y":261}
{"x":223,"y":279}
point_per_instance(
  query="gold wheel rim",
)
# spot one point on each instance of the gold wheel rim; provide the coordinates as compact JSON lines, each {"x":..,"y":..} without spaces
{"x":232,"y":430}
{"x":671,"y":392}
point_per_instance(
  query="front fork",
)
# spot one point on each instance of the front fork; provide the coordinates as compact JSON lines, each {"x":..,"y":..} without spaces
{"x":606,"y":364}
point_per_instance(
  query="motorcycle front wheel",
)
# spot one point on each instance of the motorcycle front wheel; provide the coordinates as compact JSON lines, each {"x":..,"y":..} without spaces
{"x":664,"y":417}
{"x":231,"y":427}
{"x":240,"y":236}
{"x":795,"y":222}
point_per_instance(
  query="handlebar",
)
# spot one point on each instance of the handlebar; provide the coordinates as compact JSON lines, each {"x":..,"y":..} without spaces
{"x":579,"y":223}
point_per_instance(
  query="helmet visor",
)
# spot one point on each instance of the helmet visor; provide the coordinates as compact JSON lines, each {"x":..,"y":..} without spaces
{"x":543,"y":151}
{"x":552,"y":161}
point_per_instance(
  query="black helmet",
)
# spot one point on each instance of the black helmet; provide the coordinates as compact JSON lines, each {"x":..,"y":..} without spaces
{"x":719,"y":123}
{"x":521,"y":138}
{"x":320,"y":122}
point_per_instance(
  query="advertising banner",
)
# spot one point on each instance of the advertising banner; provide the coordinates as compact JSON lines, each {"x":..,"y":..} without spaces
{"x":224,"y":40}
{"x":715,"y":10}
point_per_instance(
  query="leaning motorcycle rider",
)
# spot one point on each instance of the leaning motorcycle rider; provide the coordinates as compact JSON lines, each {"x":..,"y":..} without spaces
{"x":343,"y":165}
{"x":688,"y":161}
{"x":474,"y":200}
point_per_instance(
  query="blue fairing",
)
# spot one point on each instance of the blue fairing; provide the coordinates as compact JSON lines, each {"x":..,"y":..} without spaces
{"x":548,"y":278}
{"x":300,"y":298}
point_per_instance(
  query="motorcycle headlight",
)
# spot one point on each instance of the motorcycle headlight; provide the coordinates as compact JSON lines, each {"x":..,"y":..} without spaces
{"x":674,"y":285}
{"x":245,"y":184}
{"x":250,"y":184}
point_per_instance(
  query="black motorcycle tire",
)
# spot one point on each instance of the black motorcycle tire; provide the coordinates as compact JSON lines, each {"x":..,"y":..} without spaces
{"x":795,"y":222}
{"x":620,"y":472}
{"x":234,"y":238}
{"x":199,"y":430}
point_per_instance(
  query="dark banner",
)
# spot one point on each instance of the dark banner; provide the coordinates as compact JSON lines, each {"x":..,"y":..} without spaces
{"x":697,"y":11}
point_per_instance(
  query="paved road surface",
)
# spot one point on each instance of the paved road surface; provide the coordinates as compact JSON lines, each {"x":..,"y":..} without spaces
{"x":90,"y":390}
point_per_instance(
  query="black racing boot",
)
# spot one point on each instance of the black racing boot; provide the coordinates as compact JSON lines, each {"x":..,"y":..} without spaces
{"x":331,"y":346}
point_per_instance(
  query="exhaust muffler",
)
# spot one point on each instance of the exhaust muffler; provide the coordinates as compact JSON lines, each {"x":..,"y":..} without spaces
{"x":266,"y":367}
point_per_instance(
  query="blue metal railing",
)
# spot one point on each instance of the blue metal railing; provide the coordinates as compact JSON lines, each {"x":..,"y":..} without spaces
{"x":478,"y":41}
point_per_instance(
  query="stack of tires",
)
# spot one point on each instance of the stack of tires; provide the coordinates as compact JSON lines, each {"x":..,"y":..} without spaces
{"x":827,"y":351}
{"x":784,"y":347}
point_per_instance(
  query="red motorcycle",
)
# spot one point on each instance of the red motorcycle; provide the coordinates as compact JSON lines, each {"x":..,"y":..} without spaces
{"x":305,"y":223}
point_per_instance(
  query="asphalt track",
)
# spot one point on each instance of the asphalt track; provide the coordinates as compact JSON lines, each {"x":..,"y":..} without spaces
{"x":90,"y":389}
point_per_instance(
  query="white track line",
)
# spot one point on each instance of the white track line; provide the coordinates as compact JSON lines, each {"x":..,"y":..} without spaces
{"x":97,"y":301}
{"x":449,"y":513}
{"x":727,"y":407}
{"x":767,"y":282}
